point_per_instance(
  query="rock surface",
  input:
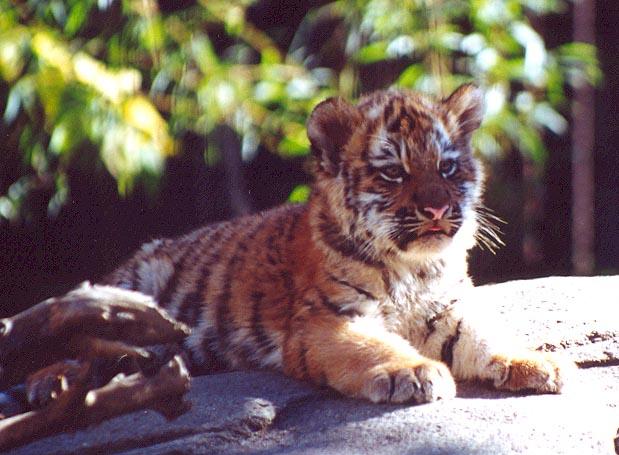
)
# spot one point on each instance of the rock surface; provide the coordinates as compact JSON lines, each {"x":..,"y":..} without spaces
{"x":267,"y":413}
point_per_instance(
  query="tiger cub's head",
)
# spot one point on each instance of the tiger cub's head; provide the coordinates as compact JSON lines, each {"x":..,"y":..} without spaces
{"x":396,"y":173}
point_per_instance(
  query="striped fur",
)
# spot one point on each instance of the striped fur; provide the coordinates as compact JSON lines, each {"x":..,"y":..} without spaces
{"x":360,"y":289}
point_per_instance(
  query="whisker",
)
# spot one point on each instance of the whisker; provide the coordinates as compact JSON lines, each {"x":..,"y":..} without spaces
{"x":489,"y":232}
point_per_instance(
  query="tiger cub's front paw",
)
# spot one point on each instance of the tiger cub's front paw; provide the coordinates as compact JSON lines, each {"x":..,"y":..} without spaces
{"x":422,"y":382}
{"x":537,"y":371}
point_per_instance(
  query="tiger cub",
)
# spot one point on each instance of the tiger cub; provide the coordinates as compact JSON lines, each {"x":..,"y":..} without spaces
{"x":359,"y":288}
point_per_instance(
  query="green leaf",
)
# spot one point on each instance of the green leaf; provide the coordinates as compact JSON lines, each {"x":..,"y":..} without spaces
{"x":294,"y":142}
{"x":203,"y":53}
{"x":372,"y":53}
{"x":545,"y":115}
{"x":13,"y":105}
{"x":71,"y":76}
{"x":410,"y":76}
{"x":300,"y":194}
{"x":60,"y":196}
{"x":288,"y":147}
{"x":531,"y":144}
{"x":67,"y":134}
{"x":581,"y":62}
{"x":13,"y":49}
{"x":77,"y":17}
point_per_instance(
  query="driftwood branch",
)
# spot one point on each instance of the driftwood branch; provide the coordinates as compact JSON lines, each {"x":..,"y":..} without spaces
{"x":137,"y":391}
{"x":28,"y":426}
{"x":62,"y":327}
{"x":79,"y":407}
{"x":92,"y":354}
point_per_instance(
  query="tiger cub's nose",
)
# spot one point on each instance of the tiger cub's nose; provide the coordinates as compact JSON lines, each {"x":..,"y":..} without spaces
{"x":435,"y":213}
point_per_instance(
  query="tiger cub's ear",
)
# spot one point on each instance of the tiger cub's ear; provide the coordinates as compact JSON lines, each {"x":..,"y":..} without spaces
{"x":329,"y":128}
{"x":466,"y":106}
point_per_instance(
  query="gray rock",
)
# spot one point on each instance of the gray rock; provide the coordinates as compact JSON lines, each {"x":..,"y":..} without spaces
{"x":267,"y":413}
{"x":229,"y":406}
{"x":577,"y":315}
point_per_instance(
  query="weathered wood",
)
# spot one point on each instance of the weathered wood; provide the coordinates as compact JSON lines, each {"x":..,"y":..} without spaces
{"x":31,"y":425}
{"x":137,"y":391}
{"x":77,"y":407}
{"x":63,"y":347}
{"x":52,"y":330}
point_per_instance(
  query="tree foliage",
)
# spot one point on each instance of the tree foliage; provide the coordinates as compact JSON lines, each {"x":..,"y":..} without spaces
{"x":128,"y":78}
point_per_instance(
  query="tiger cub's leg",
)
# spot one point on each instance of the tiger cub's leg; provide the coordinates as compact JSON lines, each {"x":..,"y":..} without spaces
{"x":474,"y":352}
{"x":360,"y":359}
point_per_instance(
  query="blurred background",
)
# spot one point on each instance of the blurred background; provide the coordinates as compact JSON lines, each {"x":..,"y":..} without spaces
{"x":127,"y":120}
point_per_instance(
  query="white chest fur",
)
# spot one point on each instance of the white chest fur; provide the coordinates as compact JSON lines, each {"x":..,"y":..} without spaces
{"x":416,"y":295}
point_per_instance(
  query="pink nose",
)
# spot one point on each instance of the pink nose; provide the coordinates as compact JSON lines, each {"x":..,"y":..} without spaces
{"x":437,"y":214}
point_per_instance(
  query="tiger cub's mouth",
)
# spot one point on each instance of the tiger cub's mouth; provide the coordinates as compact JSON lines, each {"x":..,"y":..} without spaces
{"x":437,"y":227}
{"x":430,"y":233}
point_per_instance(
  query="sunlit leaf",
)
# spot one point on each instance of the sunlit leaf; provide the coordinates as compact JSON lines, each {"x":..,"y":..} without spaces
{"x":410,"y":76}
{"x":403,"y":45}
{"x":495,"y":98}
{"x":300,"y":194}
{"x":530,"y":143}
{"x":60,"y":196}
{"x":139,"y":113}
{"x":473,"y":43}
{"x":545,"y":115}
{"x":534,"y":51}
{"x":8,"y":210}
{"x":53,"y":53}
{"x":301,"y":88}
{"x":373,"y":52}
{"x":13,"y":49}
{"x":77,"y":17}
{"x":581,"y":62}
{"x":234,"y":19}
{"x":13,"y":105}
{"x":128,"y":153}
{"x":268,"y":92}
{"x":153,"y":34}
{"x":270,"y":56}
{"x":294,"y":142}
{"x":129,"y":77}
{"x":50,"y":86}
{"x":67,"y":133}
{"x":112,"y":84}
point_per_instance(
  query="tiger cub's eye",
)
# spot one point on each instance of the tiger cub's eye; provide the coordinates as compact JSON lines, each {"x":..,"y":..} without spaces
{"x":392,"y":173}
{"x":447,"y":168}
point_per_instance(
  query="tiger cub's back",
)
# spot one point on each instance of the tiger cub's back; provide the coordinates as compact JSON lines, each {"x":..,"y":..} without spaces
{"x":233,"y":282}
